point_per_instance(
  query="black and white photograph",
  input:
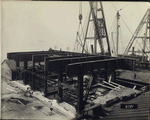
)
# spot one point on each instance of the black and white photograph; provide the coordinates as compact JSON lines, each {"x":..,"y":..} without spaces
{"x":75,"y":60}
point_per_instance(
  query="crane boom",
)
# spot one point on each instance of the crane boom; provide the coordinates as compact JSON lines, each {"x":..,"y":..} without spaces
{"x":97,"y":28}
{"x":99,"y":33}
{"x":143,"y":21}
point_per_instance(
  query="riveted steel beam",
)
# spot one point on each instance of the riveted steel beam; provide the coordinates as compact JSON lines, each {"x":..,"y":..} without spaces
{"x":53,"y":65}
{"x":11,"y":55}
{"x":109,"y":64}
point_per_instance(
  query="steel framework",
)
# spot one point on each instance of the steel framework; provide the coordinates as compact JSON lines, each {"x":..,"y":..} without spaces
{"x":53,"y":72}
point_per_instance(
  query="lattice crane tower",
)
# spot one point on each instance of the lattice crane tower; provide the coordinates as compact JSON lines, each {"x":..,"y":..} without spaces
{"x":144,"y":37}
{"x":98,"y":35}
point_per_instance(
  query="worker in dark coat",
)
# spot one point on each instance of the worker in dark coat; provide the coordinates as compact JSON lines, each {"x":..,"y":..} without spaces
{"x":135,"y":76}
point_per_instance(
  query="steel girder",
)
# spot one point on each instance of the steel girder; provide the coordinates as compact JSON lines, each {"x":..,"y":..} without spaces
{"x":56,"y":65}
{"x":109,"y":64}
{"x":11,"y":55}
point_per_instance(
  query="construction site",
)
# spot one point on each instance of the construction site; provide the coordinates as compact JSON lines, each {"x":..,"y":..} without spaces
{"x":95,"y":83}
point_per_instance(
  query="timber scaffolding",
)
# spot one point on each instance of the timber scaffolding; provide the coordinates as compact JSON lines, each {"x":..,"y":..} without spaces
{"x":62,"y":73}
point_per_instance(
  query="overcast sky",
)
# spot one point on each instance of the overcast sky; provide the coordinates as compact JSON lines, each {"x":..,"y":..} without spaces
{"x":39,"y":25}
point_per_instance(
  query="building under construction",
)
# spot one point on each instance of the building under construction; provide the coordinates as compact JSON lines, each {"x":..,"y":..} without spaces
{"x":90,"y":82}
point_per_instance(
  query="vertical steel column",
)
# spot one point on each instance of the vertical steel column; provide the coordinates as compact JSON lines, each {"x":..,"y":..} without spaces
{"x":25,"y":64}
{"x":95,"y":35}
{"x":94,"y":74}
{"x":60,"y":90}
{"x":25,"y":75}
{"x":80,"y":104}
{"x":92,"y":49}
{"x":108,"y":44}
{"x":33,"y":70}
{"x":105,"y":73}
{"x":45,"y":75}
{"x":149,"y":27}
{"x":113,"y":76}
{"x":117,"y":42}
{"x":144,"y":41}
{"x":86,"y":32}
{"x":17,"y":64}
{"x":133,"y":65}
{"x":17,"y":73}
{"x":114,"y":73}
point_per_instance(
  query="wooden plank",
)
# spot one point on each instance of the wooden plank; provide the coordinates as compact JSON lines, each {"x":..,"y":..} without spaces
{"x":107,"y":87}
{"x":110,"y":84}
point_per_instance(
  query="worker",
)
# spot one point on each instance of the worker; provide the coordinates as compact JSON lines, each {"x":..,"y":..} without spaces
{"x":51,"y":107}
{"x":135,"y":76}
{"x":28,"y":92}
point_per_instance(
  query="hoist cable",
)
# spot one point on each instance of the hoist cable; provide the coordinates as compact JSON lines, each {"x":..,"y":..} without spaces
{"x":112,"y":36}
{"x":76,"y":36}
{"x":80,"y":8}
{"x":124,"y":6}
{"x":91,"y":29}
{"x":113,"y":6}
{"x":130,"y":31}
{"x":132,"y":34}
{"x":80,"y":12}
{"x":80,"y":18}
{"x":81,"y":44}
{"x":121,"y":36}
{"x":126,"y":26}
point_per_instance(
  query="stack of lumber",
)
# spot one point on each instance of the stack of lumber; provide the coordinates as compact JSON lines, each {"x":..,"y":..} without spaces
{"x":114,"y":95}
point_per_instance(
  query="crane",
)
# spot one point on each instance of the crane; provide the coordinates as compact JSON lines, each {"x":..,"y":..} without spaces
{"x":145,"y":20}
{"x":96,"y":16}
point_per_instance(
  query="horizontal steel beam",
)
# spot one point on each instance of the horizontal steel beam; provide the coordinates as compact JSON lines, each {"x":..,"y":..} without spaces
{"x":61,"y":57}
{"x":60,"y":64}
{"x":28,"y":56}
{"x":41,"y":57}
{"x":133,"y":81}
{"x":130,"y":57}
{"x":140,"y":51}
{"x":42,"y":77}
{"x":90,"y":66}
{"x":12,"y":54}
{"x":46,"y":59}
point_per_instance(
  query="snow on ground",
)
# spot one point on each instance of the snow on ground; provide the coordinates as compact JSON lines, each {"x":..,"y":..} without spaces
{"x":16,"y":106}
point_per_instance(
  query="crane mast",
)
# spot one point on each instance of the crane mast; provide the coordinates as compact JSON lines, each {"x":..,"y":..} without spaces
{"x":145,"y":21}
{"x":100,"y":28}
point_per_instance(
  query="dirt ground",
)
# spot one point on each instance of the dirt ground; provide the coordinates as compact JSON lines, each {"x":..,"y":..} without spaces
{"x":142,"y":75}
{"x":16,"y":106}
